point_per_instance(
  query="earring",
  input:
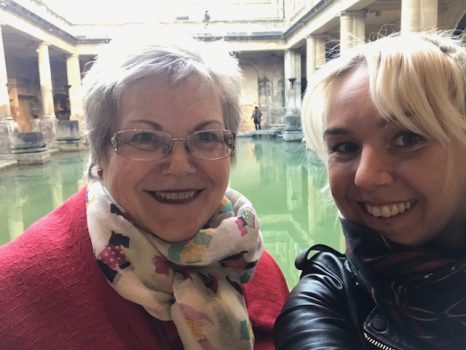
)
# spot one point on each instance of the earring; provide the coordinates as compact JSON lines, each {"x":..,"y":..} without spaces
{"x":100,"y":172}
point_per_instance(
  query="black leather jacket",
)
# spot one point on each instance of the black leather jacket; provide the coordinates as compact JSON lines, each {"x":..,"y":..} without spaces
{"x":329,"y":310}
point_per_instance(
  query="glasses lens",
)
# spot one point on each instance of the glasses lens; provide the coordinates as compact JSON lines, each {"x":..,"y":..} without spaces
{"x":211,"y":144}
{"x":142,"y":144}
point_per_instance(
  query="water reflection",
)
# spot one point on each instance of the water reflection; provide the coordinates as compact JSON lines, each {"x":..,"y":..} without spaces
{"x":29,"y":192}
{"x":284,"y":184}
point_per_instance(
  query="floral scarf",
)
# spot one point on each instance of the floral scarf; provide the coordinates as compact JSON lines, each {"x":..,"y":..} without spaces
{"x":422,"y":291}
{"x":195,"y":283}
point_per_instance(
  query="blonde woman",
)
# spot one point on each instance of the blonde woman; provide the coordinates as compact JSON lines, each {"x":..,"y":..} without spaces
{"x":389,"y":121}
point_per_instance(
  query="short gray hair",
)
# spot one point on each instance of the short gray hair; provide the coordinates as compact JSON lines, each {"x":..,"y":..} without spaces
{"x":155,"y":54}
{"x":417,"y":80}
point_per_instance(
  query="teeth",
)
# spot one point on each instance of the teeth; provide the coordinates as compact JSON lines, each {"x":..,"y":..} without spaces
{"x":175,"y":195}
{"x":387,"y":211}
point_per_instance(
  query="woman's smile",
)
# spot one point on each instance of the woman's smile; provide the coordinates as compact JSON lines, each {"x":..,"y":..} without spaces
{"x":175,"y":196}
{"x":389,"y":210}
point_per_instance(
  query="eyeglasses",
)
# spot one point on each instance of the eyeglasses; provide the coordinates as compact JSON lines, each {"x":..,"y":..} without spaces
{"x":142,"y":144}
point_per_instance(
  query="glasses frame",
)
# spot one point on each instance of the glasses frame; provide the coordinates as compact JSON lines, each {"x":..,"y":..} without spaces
{"x":228,"y":135}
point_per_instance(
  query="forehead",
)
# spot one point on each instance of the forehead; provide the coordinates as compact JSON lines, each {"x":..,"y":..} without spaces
{"x":349,"y":97}
{"x":352,"y":84}
{"x":156,"y":89}
{"x":185,"y":103}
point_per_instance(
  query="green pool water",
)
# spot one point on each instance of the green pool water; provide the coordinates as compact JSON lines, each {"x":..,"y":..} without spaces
{"x":282,"y":181}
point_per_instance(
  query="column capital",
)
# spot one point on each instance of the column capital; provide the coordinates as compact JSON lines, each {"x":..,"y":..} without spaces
{"x":42,"y":44}
{"x":318,"y":36}
{"x":354,"y":13}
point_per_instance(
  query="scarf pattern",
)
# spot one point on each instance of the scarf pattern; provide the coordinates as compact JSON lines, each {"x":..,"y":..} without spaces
{"x":195,"y":283}
{"x":420,"y":289}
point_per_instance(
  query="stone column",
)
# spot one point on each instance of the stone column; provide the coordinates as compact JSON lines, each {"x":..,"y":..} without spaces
{"x":292,"y":69}
{"x":292,"y":79}
{"x":68,"y":131}
{"x":73,"y":72}
{"x":352,"y":29}
{"x":419,"y":15}
{"x":315,"y":54}
{"x":48,"y":120}
{"x":22,"y":121}
{"x":7,"y":125}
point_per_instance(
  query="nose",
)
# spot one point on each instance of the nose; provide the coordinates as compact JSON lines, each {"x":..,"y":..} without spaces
{"x":179,"y":161}
{"x":374,"y":169}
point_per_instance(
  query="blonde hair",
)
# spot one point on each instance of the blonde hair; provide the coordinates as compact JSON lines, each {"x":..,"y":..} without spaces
{"x":417,"y":80}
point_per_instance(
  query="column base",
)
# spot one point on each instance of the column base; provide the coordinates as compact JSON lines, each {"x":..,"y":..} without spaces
{"x":292,"y":135}
{"x":48,"y":127}
{"x":292,"y":119}
{"x":8,"y":128}
{"x":68,"y":138}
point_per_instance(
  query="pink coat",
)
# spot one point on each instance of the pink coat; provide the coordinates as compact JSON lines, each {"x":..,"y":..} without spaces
{"x":53,"y":295}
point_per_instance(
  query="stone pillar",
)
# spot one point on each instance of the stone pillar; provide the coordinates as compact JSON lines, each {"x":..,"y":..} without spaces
{"x":292,"y":79}
{"x":352,"y":29}
{"x":293,"y":131}
{"x":8,"y":126}
{"x":48,"y":121}
{"x":419,"y":15}
{"x":22,"y":122}
{"x":45,"y":76}
{"x":73,"y":73}
{"x":315,"y":54}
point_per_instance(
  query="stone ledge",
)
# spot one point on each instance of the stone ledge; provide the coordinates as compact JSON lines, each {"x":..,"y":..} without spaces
{"x":34,"y":158}
{"x":71,"y":146}
{"x":263,"y":132}
{"x":7,"y":163}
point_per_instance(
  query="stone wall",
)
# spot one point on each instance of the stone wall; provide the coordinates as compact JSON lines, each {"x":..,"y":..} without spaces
{"x":263,"y":86}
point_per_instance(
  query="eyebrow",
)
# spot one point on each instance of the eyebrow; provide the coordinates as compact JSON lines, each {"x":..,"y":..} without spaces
{"x":204,"y":124}
{"x":159,"y":127}
{"x":148,"y":122}
{"x":383,"y":123}
{"x":336,"y":132}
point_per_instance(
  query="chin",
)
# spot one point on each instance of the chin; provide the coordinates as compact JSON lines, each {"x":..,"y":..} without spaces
{"x":174,"y":236}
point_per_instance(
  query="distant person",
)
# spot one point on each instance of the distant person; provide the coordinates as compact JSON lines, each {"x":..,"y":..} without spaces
{"x":206,"y":19}
{"x":257,"y":117}
{"x":389,"y":121}
{"x":156,"y":252}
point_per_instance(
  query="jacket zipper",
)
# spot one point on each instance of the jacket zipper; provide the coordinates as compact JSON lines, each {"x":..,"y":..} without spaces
{"x":377,"y":343}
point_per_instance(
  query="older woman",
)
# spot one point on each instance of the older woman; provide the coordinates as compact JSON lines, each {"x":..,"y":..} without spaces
{"x":392,"y":132}
{"x":154,"y":252}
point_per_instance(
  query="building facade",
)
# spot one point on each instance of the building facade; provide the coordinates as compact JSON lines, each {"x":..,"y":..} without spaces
{"x":279,"y":44}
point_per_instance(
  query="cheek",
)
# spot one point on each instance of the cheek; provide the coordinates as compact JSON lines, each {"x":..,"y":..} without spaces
{"x":339,"y":180}
{"x":218,"y":175}
{"x":223,"y":175}
{"x":120,"y":177}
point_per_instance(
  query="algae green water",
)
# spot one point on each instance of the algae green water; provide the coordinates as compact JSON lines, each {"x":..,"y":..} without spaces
{"x":284,"y":184}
